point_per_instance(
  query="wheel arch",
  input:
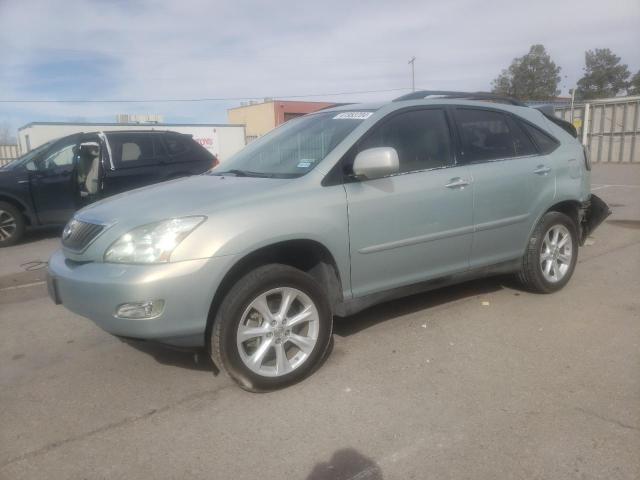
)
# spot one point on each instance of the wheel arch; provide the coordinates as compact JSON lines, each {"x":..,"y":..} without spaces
{"x":570,"y":207}
{"x":304,"y":254}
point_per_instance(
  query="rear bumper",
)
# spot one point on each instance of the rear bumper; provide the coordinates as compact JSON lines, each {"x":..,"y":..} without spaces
{"x":95,"y":290}
{"x":593,"y":212}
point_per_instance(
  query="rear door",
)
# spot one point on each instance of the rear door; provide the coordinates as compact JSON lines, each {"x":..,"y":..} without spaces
{"x":136,"y":160}
{"x":510,"y":179}
{"x":417,"y":224}
{"x":52,"y":182}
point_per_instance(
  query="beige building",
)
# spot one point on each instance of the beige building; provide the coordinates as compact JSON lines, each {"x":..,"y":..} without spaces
{"x":259,"y":118}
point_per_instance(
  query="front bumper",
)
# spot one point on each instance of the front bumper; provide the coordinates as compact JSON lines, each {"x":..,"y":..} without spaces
{"x":94,"y":290}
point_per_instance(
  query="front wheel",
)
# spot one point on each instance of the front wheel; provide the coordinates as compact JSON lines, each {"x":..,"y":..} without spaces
{"x":272,"y":328}
{"x":551,"y":254}
{"x":11,"y":224}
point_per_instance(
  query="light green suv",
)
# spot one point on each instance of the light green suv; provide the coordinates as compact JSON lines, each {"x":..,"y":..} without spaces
{"x":327,"y":215}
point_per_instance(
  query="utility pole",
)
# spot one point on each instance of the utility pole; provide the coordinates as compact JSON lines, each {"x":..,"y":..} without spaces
{"x":413,"y":73}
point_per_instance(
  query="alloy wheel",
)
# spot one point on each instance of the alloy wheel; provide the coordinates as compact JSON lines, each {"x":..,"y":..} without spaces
{"x":8,"y":225}
{"x":556,"y":253}
{"x":278,"y":331}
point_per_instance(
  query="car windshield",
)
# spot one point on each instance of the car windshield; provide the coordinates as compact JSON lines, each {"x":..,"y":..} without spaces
{"x":295,"y":148}
{"x":26,"y":157}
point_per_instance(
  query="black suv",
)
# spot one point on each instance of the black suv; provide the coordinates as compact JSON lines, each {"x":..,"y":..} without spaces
{"x":47,"y":185}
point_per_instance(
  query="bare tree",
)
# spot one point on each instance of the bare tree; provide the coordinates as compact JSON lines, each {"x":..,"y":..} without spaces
{"x":6,"y":134}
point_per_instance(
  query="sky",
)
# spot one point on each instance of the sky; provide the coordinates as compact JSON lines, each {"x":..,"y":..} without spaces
{"x":233,"y":50}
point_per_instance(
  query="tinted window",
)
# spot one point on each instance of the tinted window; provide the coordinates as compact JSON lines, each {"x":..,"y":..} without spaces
{"x":484,"y":135}
{"x":421,"y":138}
{"x":546,"y":143}
{"x":131,"y":149}
{"x":521,"y":141}
{"x":178,"y":144}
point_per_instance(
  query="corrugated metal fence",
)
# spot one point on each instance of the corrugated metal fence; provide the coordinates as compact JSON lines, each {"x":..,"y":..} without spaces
{"x":609,"y":127}
{"x":8,"y":153}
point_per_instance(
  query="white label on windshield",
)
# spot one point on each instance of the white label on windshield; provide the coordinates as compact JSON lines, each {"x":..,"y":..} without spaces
{"x":304,"y":163}
{"x":353,"y":116}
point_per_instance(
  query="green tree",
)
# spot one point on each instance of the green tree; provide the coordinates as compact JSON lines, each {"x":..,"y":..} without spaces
{"x":533,"y":76}
{"x":604,"y":75}
{"x":634,"y":84}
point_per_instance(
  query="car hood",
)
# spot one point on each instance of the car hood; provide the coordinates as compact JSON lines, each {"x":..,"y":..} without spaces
{"x":197,"y":195}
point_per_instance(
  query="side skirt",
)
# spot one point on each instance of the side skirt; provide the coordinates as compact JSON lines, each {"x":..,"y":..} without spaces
{"x":355,"y":305}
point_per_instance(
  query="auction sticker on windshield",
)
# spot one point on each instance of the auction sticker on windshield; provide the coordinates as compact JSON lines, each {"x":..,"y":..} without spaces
{"x":353,"y":116}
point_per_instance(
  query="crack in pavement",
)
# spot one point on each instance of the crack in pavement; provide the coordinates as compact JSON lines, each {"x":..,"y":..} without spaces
{"x":606,"y":419}
{"x":114,"y":425}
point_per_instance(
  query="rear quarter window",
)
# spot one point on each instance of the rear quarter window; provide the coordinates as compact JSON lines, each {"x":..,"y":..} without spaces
{"x":183,"y":148}
{"x":545,"y":142}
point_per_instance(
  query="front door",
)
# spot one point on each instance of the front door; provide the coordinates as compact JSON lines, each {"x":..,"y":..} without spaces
{"x":415,"y":225}
{"x":52,"y":183}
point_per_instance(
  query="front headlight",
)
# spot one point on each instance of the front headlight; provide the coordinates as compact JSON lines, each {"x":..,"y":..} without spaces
{"x":152,"y":243}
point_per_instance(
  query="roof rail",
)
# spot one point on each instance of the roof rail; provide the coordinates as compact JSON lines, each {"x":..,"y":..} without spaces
{"x":422,"y":94}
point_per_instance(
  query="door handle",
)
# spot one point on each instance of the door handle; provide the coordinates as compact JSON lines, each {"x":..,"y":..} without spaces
{"x":457,"y":182}
{"x":542,"y":170}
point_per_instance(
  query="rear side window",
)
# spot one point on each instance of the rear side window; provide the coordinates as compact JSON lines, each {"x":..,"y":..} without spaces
{"x":421,"y":138}
{"x":521,"y":141}
{"x":178,"y":144}
{"x":484,"y":135}
{"x":132,"y":150}
{"x":546,"y":143}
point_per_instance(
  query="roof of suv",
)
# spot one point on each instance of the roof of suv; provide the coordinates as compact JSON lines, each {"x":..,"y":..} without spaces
{"x":440,"y":97}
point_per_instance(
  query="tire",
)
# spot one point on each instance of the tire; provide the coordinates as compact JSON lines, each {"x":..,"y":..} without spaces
{"x":12,"y":224}
{"x":278,"y":360}
{"x":537,"y":273}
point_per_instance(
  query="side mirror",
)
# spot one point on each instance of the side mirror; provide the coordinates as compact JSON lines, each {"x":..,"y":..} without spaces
{"x":376,"y":163}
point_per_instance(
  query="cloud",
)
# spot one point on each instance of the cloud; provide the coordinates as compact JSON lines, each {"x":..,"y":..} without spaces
{"x":196,"y":48}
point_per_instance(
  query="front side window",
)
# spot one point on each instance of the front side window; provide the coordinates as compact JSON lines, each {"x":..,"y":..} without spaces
{"x":295,"y":147}
{"x":421,"y":138}
{"x":60,"y":158}
{"x":484,"y":135}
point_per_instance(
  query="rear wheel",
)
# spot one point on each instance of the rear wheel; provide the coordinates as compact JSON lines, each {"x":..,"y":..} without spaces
{"x":551,"y":254}
{"x":272,"y":328}
{"x":11,"y":224}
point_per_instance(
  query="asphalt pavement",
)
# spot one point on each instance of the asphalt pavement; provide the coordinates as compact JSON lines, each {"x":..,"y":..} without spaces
{"x":480,"y":380}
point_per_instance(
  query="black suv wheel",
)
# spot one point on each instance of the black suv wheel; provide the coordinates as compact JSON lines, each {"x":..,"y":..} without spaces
{"x":11,"y":224}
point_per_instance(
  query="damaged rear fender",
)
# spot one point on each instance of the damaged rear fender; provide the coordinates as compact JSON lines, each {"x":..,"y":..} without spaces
{"x":592,"y":213}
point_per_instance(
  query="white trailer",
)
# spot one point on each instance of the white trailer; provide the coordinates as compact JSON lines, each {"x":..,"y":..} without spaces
{"x":223,"y":140}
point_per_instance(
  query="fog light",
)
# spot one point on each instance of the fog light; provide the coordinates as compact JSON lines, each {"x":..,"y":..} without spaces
{"x":137,"y":310}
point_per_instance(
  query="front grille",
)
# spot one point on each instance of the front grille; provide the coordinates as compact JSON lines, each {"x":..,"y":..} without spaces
{"x":77,"y":235}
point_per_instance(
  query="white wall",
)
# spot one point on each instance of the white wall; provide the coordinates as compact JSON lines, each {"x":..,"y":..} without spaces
{"x":221,"y":140}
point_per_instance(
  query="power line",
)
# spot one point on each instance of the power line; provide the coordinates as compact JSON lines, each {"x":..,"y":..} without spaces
{"x":220,"y":99}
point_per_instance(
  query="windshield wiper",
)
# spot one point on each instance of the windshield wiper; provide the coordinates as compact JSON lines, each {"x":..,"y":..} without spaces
{"x":243,"y":173}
